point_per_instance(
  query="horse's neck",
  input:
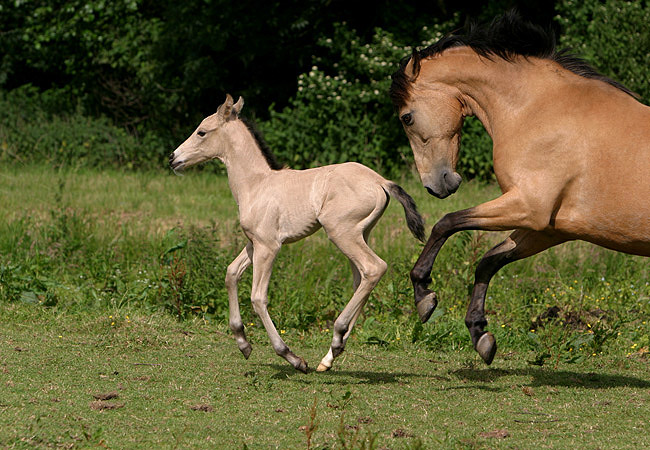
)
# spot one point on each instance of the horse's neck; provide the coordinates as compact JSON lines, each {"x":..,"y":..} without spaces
{"x":493,"y":90}
{"x":245,"y":164}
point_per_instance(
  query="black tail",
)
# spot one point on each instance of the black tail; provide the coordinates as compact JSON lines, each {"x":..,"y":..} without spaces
{"x":414,"y":220}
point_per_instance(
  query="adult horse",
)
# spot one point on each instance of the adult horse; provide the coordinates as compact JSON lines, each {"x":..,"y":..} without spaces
{"x":571,"y":150}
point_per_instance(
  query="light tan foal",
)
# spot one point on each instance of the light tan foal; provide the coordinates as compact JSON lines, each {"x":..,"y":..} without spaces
{"x":278,"y":206}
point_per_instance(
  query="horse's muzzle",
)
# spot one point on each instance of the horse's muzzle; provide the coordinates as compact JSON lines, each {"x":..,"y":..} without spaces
{"x":447,"y":183}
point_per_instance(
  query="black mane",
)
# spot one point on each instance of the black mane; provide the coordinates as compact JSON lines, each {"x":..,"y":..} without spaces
{"x":506,"y":37}
{"x":261,"y":143}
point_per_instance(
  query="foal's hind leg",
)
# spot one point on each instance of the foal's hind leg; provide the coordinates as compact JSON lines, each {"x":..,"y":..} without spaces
{"x":520,"y":244}
{"x":263,"y":257}
{"x":370,"y":268}
{"x":233,"y":275}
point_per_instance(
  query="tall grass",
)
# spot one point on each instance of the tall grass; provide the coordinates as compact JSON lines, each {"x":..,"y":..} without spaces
{"x":79,"y":239}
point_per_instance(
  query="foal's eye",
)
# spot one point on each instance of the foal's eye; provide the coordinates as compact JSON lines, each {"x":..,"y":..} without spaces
{"x":407,"y":119}
{"x":201,"y":133}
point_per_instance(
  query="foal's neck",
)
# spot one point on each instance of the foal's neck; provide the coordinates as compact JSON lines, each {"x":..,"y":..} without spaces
{"x":244,"y":161}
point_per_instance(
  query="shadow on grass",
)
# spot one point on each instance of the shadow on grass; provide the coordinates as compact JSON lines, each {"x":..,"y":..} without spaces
{"x":538,"y":376}
{"x":549,"y":377}
{"x":337,"y":376}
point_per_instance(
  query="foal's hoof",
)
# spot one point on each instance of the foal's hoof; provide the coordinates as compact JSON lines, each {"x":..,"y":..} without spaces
{"x":246,"y":350}
{"x":487,"y":347}
{"x":301,"y":365}
{"x":426,"y":306}
{"x":322,"y":368}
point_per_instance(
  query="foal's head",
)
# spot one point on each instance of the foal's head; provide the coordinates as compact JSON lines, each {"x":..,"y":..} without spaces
{"x":207,"y":142}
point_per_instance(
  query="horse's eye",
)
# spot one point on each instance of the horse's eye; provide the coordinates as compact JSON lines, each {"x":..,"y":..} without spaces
{"x":407,"y":119}
{"x":201,"y":133}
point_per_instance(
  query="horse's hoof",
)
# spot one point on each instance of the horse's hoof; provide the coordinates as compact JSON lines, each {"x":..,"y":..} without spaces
{"x":487,"y":347}
{"x":322,"y":368}
{"x":302,"y":365}
{"x":426,"y":306}
{"x":246,"y":350}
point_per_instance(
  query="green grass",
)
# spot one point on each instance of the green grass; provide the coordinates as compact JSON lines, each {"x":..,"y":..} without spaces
{"x":181,"y":385}
{"x":82,"y":250}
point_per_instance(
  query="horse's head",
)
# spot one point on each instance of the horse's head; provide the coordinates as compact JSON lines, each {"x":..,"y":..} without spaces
{"x":432,"y":116}
{"x":207,"y":140}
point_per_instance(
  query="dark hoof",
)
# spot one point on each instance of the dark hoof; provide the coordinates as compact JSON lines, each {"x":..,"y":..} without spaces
{"x":302,"y":365}
{"x":487,"y":347}
{"x":426,"y":306}
{"x":246,"y":350}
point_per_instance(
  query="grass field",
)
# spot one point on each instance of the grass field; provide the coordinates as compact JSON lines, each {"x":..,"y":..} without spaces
{"x":111,"y":286}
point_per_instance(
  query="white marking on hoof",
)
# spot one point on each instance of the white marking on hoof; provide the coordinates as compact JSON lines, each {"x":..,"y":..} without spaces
{"x":322,"y":368}
{"x":487,"y":347}
{"x":426,"y":306}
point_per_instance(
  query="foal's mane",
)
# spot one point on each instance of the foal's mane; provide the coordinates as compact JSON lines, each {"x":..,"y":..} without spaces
{"x":262,"y":145}
{"x":507,"y":37}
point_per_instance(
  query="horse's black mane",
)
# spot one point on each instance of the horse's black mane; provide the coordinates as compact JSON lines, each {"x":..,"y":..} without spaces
{"x":506,"y":37}
{"x":261,"y":143}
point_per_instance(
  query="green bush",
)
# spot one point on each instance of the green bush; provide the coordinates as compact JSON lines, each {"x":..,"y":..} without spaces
{"x":613,"y":35}
{"x":31,"y":133}
{"x":341,"y":110}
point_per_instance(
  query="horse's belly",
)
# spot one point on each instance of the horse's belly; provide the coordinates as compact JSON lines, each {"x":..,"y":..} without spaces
{"x":621,"y":230}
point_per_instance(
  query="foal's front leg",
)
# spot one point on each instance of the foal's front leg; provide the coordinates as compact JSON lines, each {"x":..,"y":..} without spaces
{"x":263,"y":257}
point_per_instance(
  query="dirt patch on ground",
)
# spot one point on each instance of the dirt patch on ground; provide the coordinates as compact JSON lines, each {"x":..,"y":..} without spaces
{"x":574,"y":320}
{"x":100,"y":405}
{"x":204,"y":408}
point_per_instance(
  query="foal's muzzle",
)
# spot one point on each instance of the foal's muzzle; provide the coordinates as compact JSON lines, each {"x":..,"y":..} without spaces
{"x":174,"y":164}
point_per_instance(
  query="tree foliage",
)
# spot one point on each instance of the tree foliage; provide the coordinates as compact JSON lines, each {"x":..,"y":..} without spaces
{"x":613,"y":35}
{"x":314,"y":73}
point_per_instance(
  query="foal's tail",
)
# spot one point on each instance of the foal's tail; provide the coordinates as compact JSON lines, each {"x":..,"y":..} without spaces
{"x":414,"y":220}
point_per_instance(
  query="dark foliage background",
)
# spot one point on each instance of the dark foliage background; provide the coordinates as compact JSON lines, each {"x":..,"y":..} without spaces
{"x":97,"y":83}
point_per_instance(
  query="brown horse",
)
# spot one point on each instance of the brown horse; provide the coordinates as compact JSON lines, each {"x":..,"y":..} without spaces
{"x":571,"y":150}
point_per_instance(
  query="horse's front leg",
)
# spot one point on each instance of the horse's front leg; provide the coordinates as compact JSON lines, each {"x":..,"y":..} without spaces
{"x":263,"y":257}
{"x":520,"y":244}
{"x":504,"y":213}
{"x":233,"y":275}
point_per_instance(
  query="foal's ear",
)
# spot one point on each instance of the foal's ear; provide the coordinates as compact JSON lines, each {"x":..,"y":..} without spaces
{"x":238,"y":106}
{"x":225,"y":109}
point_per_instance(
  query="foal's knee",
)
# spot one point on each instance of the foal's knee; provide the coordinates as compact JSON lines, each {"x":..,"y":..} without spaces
{"x":373,"y":272}
{"x":259,"y":305}
{"x":232,"y":277}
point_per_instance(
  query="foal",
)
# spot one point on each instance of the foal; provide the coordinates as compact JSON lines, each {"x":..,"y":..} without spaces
{"x":278,"y":205}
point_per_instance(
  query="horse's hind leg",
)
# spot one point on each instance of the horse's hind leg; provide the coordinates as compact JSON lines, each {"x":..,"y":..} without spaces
{"x":233,"y":275}
{"x":520,"y":244}
{"x":263,"y":257}
{"x":370,"y":268}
